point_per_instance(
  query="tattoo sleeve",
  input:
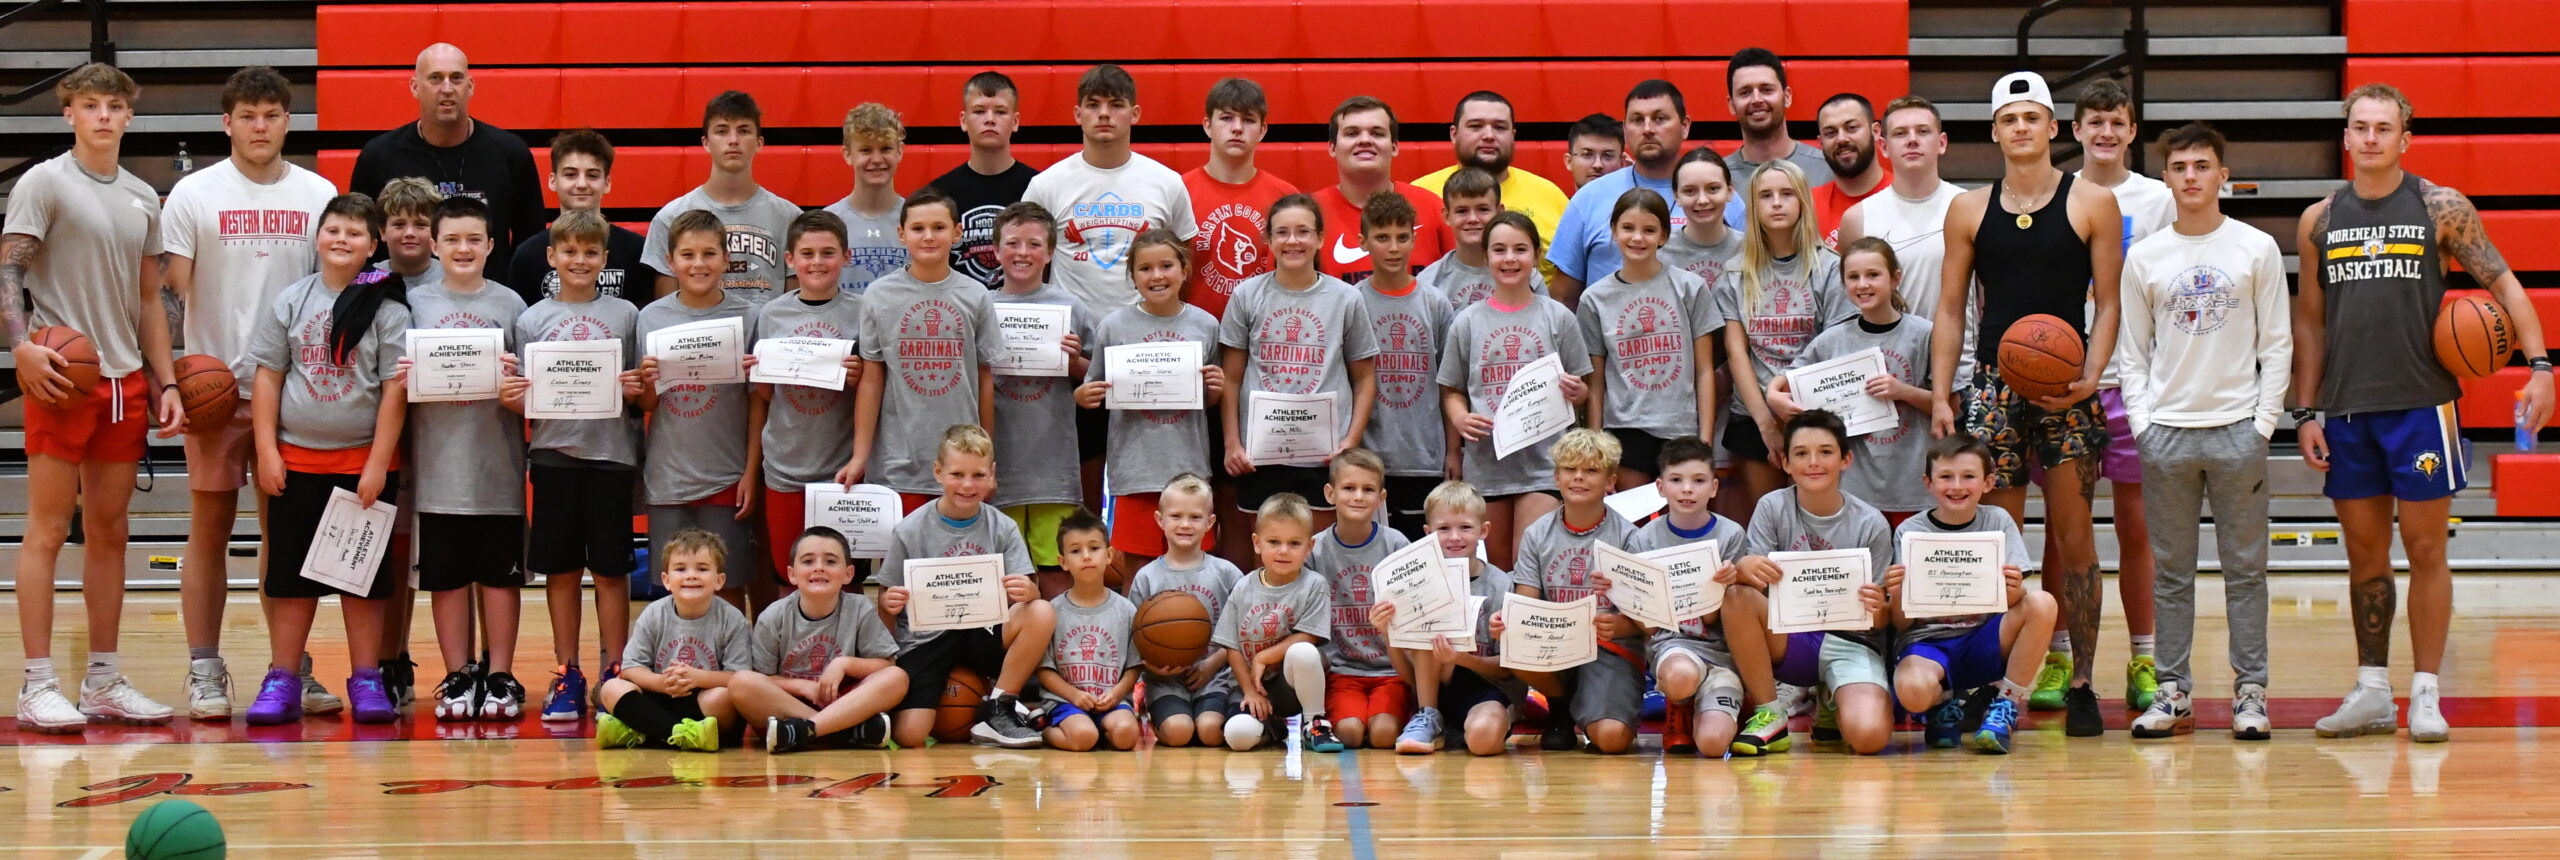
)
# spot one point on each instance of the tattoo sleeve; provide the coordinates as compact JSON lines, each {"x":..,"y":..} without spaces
{"x":2370,"y":602}
{"x":2083,"y":601}
{"x":2461,"y":235}
{"x":16,"y":251}
{"x":177,"y":309}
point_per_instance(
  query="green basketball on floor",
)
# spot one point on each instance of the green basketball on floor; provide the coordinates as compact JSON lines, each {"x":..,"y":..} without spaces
{"x":174,"y":830}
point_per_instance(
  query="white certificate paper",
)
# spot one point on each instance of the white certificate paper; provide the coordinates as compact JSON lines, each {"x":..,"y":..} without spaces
{"x":1533,"y":407}
{"x":816,"y":362}
{"x":1840,"y":385}
{"x":346,"y":552}
{"x":573,"y":379}
{"x":1458,"y":623}
{"x":1153,"y":376}
{"x":1953,"y":574}
{"x":955,"y":593}
{"x":709,"y":352}
{"x":454,"y":364}
{"x":863,"y":512}
{"x":1638,"y":503}
{"x":1818,"y":590}
{"x":1414,"y":581}
{"x":1691,"y":570}
{"x":1290,"y":429}
{"x":1544,"y":636}
{"x":1032,"y":337}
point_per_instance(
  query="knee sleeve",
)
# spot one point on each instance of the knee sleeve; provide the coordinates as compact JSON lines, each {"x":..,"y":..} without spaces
{"x":1304,"y":667}
{"x":1244,"y":732}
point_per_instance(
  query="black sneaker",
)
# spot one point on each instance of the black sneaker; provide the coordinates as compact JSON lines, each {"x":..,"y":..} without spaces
{"x":871,"y":734}
{"x":501,"y":697}
{"x":1000,"y":723}
{"x":1977,"y":701}
{"x":2080,"y":713}
{"x":400,"y":678}
{"x":458,"y":698}
{"x":788,"y":734}
{"x":1559,"y":736}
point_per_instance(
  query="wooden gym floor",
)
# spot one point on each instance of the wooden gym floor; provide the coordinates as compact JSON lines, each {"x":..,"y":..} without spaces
{"x":423,"y":789}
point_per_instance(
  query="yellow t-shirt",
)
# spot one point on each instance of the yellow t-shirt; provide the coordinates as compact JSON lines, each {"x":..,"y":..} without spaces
{"x":1523,"y":192}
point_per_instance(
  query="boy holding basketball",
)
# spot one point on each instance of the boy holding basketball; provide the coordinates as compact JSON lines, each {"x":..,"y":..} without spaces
{"x":1187,"y":702}
{"x":961,"y":524}
{"x":1270,"y":629}
{"x":684,"y":651}
{"x":1363,"y":696}
{"x":824,"y":664}
{"x":1091,"y":667}
{"x":1604,"y":697}
{"x":1691,"y":662}
{"x":1938,"y":659}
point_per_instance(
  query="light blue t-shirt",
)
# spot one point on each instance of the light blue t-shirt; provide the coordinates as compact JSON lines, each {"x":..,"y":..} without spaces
{"x":1581,"y":248}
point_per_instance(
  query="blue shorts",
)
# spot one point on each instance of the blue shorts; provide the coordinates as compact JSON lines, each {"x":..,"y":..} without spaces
{"x":1060,"y":711}
{"x":1970,"y":660}
{"x":2414,"y":455}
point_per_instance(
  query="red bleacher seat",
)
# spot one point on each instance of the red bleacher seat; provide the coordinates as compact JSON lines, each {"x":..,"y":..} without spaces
{"x":2488,"y":165}
{"x":2490,"y":401}
{"x":2451,"y":26}
{"x":2523,"y":484}
{"x":2466,"y":86}
{"x":2526,"y":238}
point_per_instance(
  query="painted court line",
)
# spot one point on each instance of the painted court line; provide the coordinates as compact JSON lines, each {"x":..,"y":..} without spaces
{"x":1995,"y":834}
{"x":538,"y":843}
{"x":1363,"y":847}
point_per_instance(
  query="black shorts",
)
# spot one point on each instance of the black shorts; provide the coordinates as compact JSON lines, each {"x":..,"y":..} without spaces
{"x":1506,"y":497}
{"x":455,"y":550}
{"x":292,"y":519}
{"x":1639,"y":450}
{"x":684,"y":708}
{"x":1742,"y":440}
{"x":1093,"y":434}
{"x":1462,"y":692}
{"x":928,"y":665}
{"x":1258,"y":486}
{"x":1162,"y":707}
{"x":581,"y":521}
{"x":1405,"y":493}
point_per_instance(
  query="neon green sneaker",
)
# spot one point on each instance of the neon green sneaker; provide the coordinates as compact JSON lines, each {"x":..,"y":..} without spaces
{"x":2050,"y":680}
{"x":1766,"y":733}
{"x":2141,"y":683}
{"x":1826,"y":719}
{"x":613,"y":735}
{"x":702,"y":735}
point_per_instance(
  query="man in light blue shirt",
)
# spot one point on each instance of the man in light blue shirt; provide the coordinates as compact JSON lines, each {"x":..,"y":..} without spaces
{"x":1657,"y":121}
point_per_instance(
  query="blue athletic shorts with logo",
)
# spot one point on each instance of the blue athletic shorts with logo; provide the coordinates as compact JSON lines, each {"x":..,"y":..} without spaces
{"x":2414,"y":455}
{"x":1970,"y":660}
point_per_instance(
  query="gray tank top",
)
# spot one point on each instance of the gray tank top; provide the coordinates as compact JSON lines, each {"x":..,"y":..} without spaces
{"x":2382,"y":279}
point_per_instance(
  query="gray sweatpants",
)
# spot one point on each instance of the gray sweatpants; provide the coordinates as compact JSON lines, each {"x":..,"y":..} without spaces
{"x":2183,"y":469}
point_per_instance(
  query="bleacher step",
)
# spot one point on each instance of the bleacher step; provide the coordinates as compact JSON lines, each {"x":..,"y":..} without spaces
{"x":210,"y":58}
{"x":2161,"y":46}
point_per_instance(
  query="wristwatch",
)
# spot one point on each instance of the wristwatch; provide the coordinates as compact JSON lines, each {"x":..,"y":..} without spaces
{"x":2303,"y":415}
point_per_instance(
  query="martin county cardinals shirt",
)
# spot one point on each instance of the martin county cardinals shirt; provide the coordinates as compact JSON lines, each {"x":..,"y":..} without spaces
{"x":1356,"y":648}
{"x":1091,"y":647}
{"x":790,"y":644}
{"x":1099,"y":211}
{"x":1229,"y":247}
{"x":662,"y":638}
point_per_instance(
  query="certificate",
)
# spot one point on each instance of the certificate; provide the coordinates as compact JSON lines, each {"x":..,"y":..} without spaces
{"x":1544,"y":636}
{"x":863,"y":512}
{"x":955,"y":593}
{"x":1032,"y":337}
{"x":1458,"y":624}
{"x":1414,"y":581}
{"x":1953,"y":574}
{"x":1532,"y":408}
{"x":1153,"y":376}
{"x":1691,"y":570}
{"x":454,"y":364}
{"x":1638,"y":503}
{"x":703,"y":353}
{"x":1818,"y":591}
{"x":1840,"y":385}
{"x":1291,"y":429}
{"x":816,"y":362}
{"x":346,"y":551}
{"x":573,"y":379}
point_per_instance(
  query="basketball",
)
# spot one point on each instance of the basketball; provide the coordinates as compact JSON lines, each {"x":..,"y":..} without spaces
{"x":962,"y":691}
{"x":2472,"y":337}
{"x":175,"y":830}
{"x":75,"y":348}
{"x":1172,"y":629}
{"x":2040,"y":356}
{"x":209,"y":391}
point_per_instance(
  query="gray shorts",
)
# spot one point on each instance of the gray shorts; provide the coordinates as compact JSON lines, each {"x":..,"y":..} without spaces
{"x":720,"y":520}
{"x":1721,"y":690}
{"x":1160,"y":688}
{"x":1846,"y":661}
{"x":1609,"y":688}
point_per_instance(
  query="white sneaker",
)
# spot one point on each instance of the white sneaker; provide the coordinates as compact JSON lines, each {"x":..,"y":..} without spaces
{"x":117,"y":701}
{"x":317,"y":700}
{"x":2426,"y":717}
{"x":2249,"y":713}
{"x":2171,"y":713}
{"x":208,"y":690}
{"x":42,"y":708}
{"x":2366,"y":711}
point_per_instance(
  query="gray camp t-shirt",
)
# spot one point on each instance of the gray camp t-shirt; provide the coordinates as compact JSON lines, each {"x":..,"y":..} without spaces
{"x":1658,"y":535}
{"x":432,"y":276}
{"x":1986,"y":518}
{"x":1817,"y":171}
{"x":1258,"y":614}
{"x":871,"y":246}
{"x":1486,"y":346}
{"x":1779,"y":524}
{"x":608,"y":440}
{"x":468,"y":457}
{"x":1888,"y":464}
{"x":1465,"y":285}
{"x":662,"y":638}
{"x":1708,"y":262}
{"x":925,"y":534}
{"x":1649,"y":332}
{"x":1405,"y":427}
{"x":1091,"y":646}
{"x":790,"y":644}
{"x":1151,"y":447}
{"x":1210,"y":583}
{"x":1492,"y":583}
{"x":1297,"y":341}
{"x":1794,"y":305}
{"x":698,"y":433}
{"x":931,"y":341}
{"x":1356,"y":648}
{"x":757,"y":260}
{"x":1557,"y":560}
{"x":1036,"y":416}
{"x":327,"y":406}
{"x":808,"y":431}
{"x":95,"y":235}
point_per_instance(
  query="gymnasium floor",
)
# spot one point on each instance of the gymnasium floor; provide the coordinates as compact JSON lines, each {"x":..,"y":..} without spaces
{"x":420,"y":789}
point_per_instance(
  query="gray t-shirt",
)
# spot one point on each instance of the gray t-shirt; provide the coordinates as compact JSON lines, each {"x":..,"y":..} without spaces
{"x":1210,"y":583}
{"x":698,"y":433}
{"x":871,"y":246}
{"x":1659,"y":535}
{"x":611,"y":440}
{"x":1036,"y":415}
{"x":1986,"y":518}
{"x":1816,"y":170}
{"x":1557,"y":560}
{"x":1486,"y":345}
{"x":468,"y":457}
{"x":790,"y":644}
{"x":327,"y":406}
{"x":432,"y":276}
{"x":1091,"y":647}
{"x":932,"y":340}
{"x":1356,"y":648}
{"x":1150,"y":447}
{"x":95,"y":235}
{"x":1888,"y":467}
{"x":1649,"y":332}
{"x":1405,"y":427}
{"x":758,"y":264}
{"x":1258,"y":615}
{"x":1779,"y":524}
{"x":1465,"y":285}
{"x":926,"y":534}
{"x":1297,"y":341}
{"x":1793,"y":306}
{"x":1708,"y":262}
{"x":808,"y":431}
{"x":1491,"y":583}
{"x":662,"y":638}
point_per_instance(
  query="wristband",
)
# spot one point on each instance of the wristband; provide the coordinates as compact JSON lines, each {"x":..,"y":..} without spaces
{"x":2304,"y":415}
{"x":2540,"y":364}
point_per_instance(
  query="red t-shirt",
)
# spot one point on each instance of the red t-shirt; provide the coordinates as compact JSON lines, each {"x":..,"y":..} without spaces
{"x":1230,"y":246}
{"x":1830,"y":203}
{"x":1342,"y":255}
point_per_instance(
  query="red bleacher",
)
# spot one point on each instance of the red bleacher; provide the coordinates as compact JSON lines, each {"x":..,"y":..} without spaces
{"x":2451,"y":26}
{"x":2467,"y":86}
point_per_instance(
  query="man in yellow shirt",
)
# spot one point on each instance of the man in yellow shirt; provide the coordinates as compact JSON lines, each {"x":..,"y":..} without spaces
{"x":1482,"y":136}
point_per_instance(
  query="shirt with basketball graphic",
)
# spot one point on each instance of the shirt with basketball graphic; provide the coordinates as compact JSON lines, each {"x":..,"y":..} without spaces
{"x":1405,"y":426}
{"x":1037,"y":414}
{"x":1100,"y":211}
{"x":1488,"y":343}
{"x":1661,"y":535}
{"x":662,"y":638}
{"x":932,"y":340}
{"x":247,"y":240}
{"x":1708,"y":262}
{"x":980,"y":198}
{"x":1210,"y":583}
{"x":95,"y":234}
{"x":327,"y":405}
{"x":1986,"y":519}
{"x":926,"y":533}
{"x":1344,"y":256}
{"x":467,"y":457}
{"x":1298,"y":341}
{"x":2206,"y":336}
{"x":624,"y":274}
{"x":1781,"y":524}
{"x":1259,"y":614}
{"x":871,"y":246}
{"x":1886,"y":465}
{"x":1795,"y":300}
{"x":2382,"y":278}
{"x":808,"y":430}
{"x":1557,"y":559}
{"x":1648,"y":331}
{"x":1090,"y":647}
{"x":1230,"y":246}
{"x":790,"y":644}
{"x":1354,"y":647}
{"x":698,"y":434}
{"x":1148,"y":448}
{"x":610,"y":442}
{"x":756,"y":227}
{"x":1464,"y":285}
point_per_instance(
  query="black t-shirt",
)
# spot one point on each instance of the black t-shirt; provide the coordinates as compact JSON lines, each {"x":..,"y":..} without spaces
{"x":493,"y":165}
{"x":981,"y":198}
{"x":624,"y":275}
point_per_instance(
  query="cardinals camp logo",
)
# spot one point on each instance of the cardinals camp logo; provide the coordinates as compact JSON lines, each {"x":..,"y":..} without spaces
{"x":1354,"y":635}
{"x":1501,"y":353}
{"x":933,"y":347}
{"x":1263,"y":625}
{"x":322,"y":377}
{"x":1027,"y":389}
{"x":1467,"y":293}
{"x":1230,"y":248}
{"x":809,"y":656}
{"x":688,"y":400}
{"x":688,"y":651}
{"x":1651,"y":344}
{"x":1404,"y":358}
{"x":1568,"y":577}
{"x":1100,"y":230}
{"x":1290,"y":350}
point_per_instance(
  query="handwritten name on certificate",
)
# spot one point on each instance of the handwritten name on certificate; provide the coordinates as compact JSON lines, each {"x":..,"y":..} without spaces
{"x":955,"y":593}
{"x":1953,"y":574}
{"x":709,"y":352}
{"x":1291,"y":429}
{"x":573,"y":379}
{"x":1840,"y":385}
{"x":815,"y":362}
{"x":863,"y":512}
{"x":1818,"y":590}
{"x":1153,"y":376}
{"x":454,"y":364}
{"x":346,"y":551}
{"x":1545,"y":636}
{"x":1034,"y":335}
{"x":1533,"y":407}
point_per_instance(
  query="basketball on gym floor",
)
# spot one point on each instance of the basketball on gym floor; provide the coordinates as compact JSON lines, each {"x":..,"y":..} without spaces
{"x":75,"y":348}
{"x":1172,"y":629}
{"x":2472,"y":337}
{"x":962,"y":690}
{"x":209,"y":392}
{"x":175,"y":830}
{"x":2040,"y":356}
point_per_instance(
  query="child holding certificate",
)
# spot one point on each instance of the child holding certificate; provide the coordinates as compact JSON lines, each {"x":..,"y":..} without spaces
{"x":1294,"y":331}
{"x":960,"y":524}
{"x":1153,"y":447}
{"x":1652,"y":327}
{"x":1487,"y":343}
{"x":1034,"y":413}
{"x":807,"y":430}
{"x":1783,"y":290}
{"x":704,"y":456}
{"x":1470,"y":683}
{"x":1777,"y":668}
{"x":1410,"y":319}
{"x":1558,"y":554}
{"x":1691,"y":663}
{"x":926,"y":335}
{"x":673,"y":687}
{"x":1940,"y":657}
{"x":1883,"y":461}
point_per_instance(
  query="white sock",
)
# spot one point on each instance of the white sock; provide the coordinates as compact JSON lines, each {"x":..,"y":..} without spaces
{"x":2013,"y":691}
{"x":2374,"y":678}
{"x":1786,"y":699}
{"x":1303,"y":665}
{"x":102,"y":668}
{"x":2143,"y":644}
{"x":2423,"y":684}
{"x":2061,"y":642}
{"x":994,"y":693}
{"x":39,"y":670}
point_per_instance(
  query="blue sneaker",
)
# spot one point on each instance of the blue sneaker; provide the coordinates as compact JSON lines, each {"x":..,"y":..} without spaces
{"x":1654,"y":705}
{"x":1945,"y":724}
{"x":568,"y":699}
{"x":1997,"y":720}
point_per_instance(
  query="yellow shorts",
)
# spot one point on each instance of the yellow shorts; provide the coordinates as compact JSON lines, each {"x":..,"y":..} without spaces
{"x":1039,"y":525}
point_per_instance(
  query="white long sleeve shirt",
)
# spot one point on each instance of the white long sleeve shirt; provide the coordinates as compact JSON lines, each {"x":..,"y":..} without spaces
{"x":2206,"y":334}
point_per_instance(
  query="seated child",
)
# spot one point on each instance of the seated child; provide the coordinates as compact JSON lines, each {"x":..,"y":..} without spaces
{"x":1270,"y":629}
{"x":824,"y":663}
{"x":1091,"y":667}
{"x":1940,"y":656}
{"x":684,"y":649}
{"x":1188,"y":702}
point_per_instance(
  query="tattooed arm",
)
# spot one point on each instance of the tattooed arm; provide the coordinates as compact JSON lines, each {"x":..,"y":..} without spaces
{"x":2310,"y":333}
{"x":39,"y":369}
{"x":179,"y":271}
{"x":2460,"y":235}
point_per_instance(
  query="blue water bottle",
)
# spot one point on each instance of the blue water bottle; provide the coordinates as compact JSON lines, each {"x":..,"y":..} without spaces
{"x":2524,"y":431}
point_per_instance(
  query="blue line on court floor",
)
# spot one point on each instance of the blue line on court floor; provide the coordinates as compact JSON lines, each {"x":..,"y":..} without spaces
{"x":1362,"y":846}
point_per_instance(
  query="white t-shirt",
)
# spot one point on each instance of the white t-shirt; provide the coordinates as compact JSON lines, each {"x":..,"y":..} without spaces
{"x":1917,"y":230}
{"x":1099,"y":212}
{"x":249,"y":241}
{"x":2146,"y":206}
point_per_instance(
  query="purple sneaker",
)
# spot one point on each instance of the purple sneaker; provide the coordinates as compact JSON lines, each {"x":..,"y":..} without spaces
{"x":371,"y":699}
{"x":279,"y":699}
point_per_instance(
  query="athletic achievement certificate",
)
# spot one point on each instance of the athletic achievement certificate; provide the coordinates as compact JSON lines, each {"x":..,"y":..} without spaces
{"x":346,"y":553}
{"x":1290,"y":429}
{"x":955,"y":593}
{"x":1840,"y":385}
{"x":1818,"y":591}
{"x":816,"y":362}
{"x":709,"y":352}
{"x":573,"y":379}
{"x":1544,"y":636}
{"x":1691,"y":570}
{"x":1459,"y":626}
{"x":1953,"y":574}
{"x":1533,"y":407}
{"x":863,"y":512}
{"x":1414,"y":581}
{"x":1153,"y":376}
{"x":454,"y":364}
{"x":1033,"y":335}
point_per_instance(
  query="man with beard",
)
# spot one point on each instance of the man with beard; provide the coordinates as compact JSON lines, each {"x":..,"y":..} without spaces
{"x":1482,"y":135}
{"x":1581,"y":251}
{"x":1755,"y":82}
{"x":1594,"y":146}
{"x":458,"y":153}
{"x":1362,"y":139}
{"x":1849,"y":136}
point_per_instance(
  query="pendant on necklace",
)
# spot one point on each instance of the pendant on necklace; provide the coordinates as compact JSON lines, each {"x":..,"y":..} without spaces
{"x":2026,"y":221}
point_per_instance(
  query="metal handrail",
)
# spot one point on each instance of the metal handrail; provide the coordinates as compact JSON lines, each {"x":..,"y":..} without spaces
{"x":2133,"y":59}
{"x":101,"y":49}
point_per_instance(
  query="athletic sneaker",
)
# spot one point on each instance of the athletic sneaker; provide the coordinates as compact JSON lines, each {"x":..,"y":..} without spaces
{"x":2249,"y":713}
{"x":1765,"y":733}
{"x":788,"y":734}
{"x":1000,"y":723}
{"x":1998,"y":721}
{"x":116,"y":701}
{"x":1676,"y":729}
{"x":1559,"y":735}
{"x":42,"y":708}
{"x":2171,"y":714}
{"x":1421,"y":735}
{"x":372,"y":699}
{"x":1826,"y":718}
{"x":400,"y":674}
{"x":2366,"y":711}
{"x":2141,"y":683}
{"x":2056,"y":674}
{"x":2080,"y":713}
{"x":2426,"y":717}
{"x":458,"y":698}
{"x":611,"y":734}
{"x":279,"y":700}
{"x":701,"y":734}
{"x":871,"y":734}
{"x":1320,"y":737}
{"x":501,"y":697}
{"x":208,"y":690}
{"x":568,"y":699}
{"x":317,"y":700}
{"x":1945,"y":727}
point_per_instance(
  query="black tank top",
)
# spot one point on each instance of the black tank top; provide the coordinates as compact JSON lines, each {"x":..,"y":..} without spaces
{"x":2028,"y":265}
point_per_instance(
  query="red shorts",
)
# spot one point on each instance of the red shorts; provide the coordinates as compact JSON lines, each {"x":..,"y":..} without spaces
{"x":1348,"y":697}
{"x":109,"y":423}
{"x":1133,"y":525}
{"x":785,"y":516}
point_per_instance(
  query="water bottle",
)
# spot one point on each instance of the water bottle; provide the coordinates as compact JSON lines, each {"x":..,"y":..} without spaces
{"x":2524,"y":431}
{"x":183,"y":164}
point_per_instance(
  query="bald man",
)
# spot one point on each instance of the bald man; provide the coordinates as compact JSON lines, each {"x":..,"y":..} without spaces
{"x":460,"y":155}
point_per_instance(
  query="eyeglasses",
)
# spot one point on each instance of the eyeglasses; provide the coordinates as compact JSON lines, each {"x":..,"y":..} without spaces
{"x":1594,"y":156}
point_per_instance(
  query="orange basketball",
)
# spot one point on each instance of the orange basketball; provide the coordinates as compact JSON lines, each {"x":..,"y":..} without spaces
{"x":2040,"y":356}
{"x":962,"y":690}
{"x":75,"y":348}
{"x":1172,"y":629}
{"x":209,"y":392}
{"x":2472,"y":337}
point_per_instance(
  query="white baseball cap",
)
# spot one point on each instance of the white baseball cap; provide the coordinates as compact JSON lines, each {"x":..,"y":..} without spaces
{"x":2021,"y":87}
